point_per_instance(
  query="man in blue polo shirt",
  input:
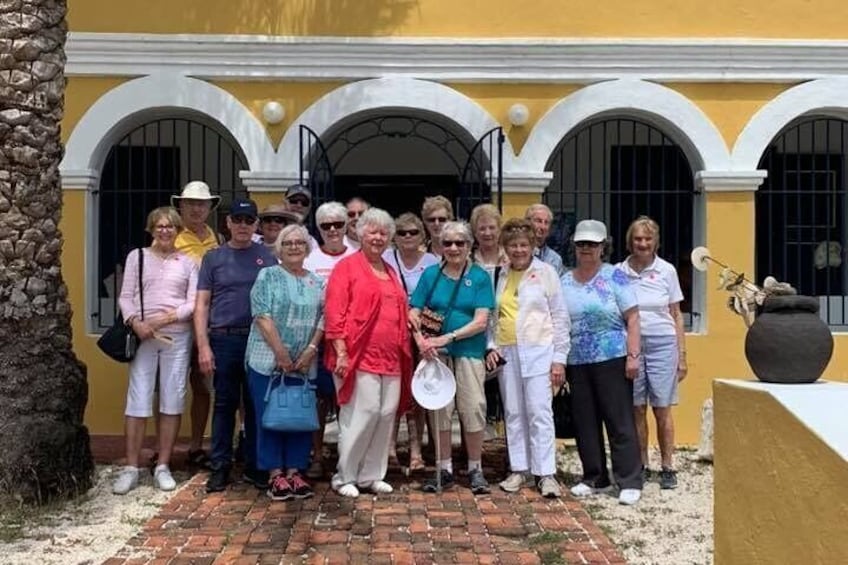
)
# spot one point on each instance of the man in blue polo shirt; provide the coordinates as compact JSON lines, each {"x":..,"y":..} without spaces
{"x":222,"y":323}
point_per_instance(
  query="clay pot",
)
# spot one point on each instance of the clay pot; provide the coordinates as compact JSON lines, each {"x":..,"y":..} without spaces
{"x":788,"y":342}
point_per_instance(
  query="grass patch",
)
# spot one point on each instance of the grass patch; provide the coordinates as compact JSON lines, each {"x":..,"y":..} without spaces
{"x":19,"y":521}
{"x":551,"y":557}
{"x":547,"y":538}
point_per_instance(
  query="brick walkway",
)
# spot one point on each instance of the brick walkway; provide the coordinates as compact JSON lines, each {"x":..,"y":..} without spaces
{"x":244,"y":526}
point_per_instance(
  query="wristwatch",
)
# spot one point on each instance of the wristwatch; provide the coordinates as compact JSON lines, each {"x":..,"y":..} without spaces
{"x":634,"y":355}
{"x":452,"y":336}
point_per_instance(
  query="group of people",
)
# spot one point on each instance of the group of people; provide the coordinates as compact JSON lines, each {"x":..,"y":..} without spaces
{"x":356,"y":312}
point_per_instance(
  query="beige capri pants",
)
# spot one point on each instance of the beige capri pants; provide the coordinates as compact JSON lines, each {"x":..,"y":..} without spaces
{"x":470,"y":398}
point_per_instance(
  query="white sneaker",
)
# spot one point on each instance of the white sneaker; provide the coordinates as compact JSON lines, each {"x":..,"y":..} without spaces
{"x":582,"y":489}
{"x":162,"y":478}
{"x":349,"y":490}
{"x":380,"y":487}
{"x":513,"y":482}
{"x":629,"y":496}
{"x":549,"y":487}
{"x":126,"y":481}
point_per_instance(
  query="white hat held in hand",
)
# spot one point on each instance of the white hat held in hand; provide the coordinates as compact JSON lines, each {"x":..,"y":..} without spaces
{"x":433,"y":384}
{"x":196,"y":190}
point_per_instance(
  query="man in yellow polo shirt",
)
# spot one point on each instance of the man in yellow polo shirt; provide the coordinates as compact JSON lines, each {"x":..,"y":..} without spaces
{"x":195,"y":203}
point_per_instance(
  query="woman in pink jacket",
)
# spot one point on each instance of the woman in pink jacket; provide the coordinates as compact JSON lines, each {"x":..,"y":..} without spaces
{"x":169,"y":281}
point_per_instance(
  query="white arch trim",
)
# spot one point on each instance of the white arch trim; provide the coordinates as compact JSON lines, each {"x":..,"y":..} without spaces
{"x":682,"y":120}
{"x":388,"y":92}
{"x":97,"y":130}
{"x":827,"y":96}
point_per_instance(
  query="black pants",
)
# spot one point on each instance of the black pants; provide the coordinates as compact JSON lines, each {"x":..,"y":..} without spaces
{"x":602,"y":394}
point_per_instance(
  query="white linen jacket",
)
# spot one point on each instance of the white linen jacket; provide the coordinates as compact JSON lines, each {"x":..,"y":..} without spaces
{"x":543,"y":327}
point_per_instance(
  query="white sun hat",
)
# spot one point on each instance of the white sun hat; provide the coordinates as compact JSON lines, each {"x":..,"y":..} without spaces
{"x":433,"y":384}
{"x":196,"y":190}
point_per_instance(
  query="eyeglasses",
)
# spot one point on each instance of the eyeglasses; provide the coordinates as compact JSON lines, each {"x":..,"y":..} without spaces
{"x":165,"y":228}
{"x":299,"y":201}
{"x":327,"y":226}
{"x":586,"y":243}
{"x":276,"y":220}
{"x":510,"y":229}
{"x":459,"y":243}
{"x":248,"y":220}
{"x":354,"y":214}
{"x":404,"y":233}
{"x":434,"y":219}
{"x":295,"y":243}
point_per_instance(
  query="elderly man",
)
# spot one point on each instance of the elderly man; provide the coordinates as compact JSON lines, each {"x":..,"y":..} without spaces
{"x":299,"y":200}
{"x":222,"y":321}
{"x":272,"y":219}
{"x":355,"y":208}
{"x":541,"y":217}
{"x":195,"y":203}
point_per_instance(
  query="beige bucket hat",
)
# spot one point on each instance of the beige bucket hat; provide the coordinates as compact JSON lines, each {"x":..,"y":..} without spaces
{"x":196,"y":190}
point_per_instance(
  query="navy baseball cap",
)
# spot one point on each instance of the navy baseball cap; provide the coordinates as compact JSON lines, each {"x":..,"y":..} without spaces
{"x":244,"y":207}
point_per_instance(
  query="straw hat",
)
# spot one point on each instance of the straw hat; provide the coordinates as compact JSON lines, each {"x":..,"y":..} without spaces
{"x":433,"y":384}
{"x":196,"y":190}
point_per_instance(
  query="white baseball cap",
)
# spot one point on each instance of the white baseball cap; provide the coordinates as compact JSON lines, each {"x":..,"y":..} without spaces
{"x":433,"y":384}
{"x":590,"y":230}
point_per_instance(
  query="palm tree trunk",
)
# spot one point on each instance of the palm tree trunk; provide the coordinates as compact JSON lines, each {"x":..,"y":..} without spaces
{"x":44,"y":446}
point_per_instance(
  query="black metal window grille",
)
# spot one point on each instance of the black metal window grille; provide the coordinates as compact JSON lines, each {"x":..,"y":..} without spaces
{"x":801,"y":213}
{"x":141,"y":172}
{"x":615,"y":170}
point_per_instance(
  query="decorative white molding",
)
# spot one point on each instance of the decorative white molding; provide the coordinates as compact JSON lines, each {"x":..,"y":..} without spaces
{"x":268,"y":181}
{"x":826,"y":96}
{"x":79,"y":179}
{"x":530,"y":182}
{"x":730,"y":181}
{"x":678,"y":116}
{"x":573,"y":60}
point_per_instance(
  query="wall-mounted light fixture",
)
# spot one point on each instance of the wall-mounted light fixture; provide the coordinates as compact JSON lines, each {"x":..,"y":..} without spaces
{"x":518,"y":114}
{"x":273,"y":112}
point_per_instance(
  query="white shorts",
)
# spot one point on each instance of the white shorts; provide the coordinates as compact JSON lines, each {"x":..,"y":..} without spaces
{"x":172,"y":362}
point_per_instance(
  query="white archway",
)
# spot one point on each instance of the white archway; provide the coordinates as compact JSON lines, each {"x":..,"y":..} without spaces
{"x":387,"y":93}
{"x":824,"y":96}
{"x":108,"y":117}
{"x":684,"y":122}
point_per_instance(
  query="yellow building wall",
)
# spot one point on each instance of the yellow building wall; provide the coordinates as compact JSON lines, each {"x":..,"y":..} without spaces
{"x":718,"y":352}
{"x":781,"y":494}
{"x":451,"y":18}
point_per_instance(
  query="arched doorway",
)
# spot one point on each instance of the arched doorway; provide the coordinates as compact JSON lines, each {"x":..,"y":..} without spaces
{"x":143,"y":168}
{"x":615,"y":169}
{"x":396,"y":158}
{"x":802,"y":208}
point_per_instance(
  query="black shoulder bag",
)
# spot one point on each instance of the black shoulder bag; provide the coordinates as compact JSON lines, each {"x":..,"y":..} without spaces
{"x":120,"y":342}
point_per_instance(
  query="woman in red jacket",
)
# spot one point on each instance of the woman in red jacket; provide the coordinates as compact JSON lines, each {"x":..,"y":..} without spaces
{"x":368,"y":348}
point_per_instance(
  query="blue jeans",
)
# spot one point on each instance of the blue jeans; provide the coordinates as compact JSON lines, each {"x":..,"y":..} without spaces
{"x":275,"y":450}
{"x":230,"y":384}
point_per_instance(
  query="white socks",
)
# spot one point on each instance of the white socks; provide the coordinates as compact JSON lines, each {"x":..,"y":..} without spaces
{"x":446,"y":465}
{"x":474,"y":464}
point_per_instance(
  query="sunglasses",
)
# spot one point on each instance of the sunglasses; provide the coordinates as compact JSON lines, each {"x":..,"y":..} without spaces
{"x":352,"y":214}
{"x":327,"y":226}
{"x":434,"y":219}
{"x":300,"y":201}
{"x":246,"y":220}
{"x":276,"y":220}
{"x":459,"y":243}
{"x":404,"y":233}
{"x":164,"y":228}
{"x":586,"y":244}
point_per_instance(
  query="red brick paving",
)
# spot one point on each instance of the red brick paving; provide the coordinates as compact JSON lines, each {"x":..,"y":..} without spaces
{"x":243,"y":526}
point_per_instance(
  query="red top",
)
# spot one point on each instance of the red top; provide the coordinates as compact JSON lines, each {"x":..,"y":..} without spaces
{"x":382,"y":353}
{"x":354,"y":304}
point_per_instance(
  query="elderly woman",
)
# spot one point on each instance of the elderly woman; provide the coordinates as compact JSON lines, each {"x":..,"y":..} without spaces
{"x":602,"y":363}
{"x":332,"y":220}
{"x":461,"y":294}
{"x":409,"y":260}
{"x":436,"y":211}
{"x":529,"y":331}
{"x":286,"y":303}
{"x":168,"y":285}
{"x":663,"y":343}
{"x":368,"y":348}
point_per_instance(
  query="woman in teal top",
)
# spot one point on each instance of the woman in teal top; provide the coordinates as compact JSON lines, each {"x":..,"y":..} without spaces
{"x":287,"y":304}
{"x":461,"y":292}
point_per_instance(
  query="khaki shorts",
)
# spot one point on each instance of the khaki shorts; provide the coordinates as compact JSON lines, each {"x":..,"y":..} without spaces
{"x":470,"y":399}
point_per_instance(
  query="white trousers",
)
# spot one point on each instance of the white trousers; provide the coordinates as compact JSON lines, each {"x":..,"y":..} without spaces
{"x":365,"y":428}
{"x":530,"y":434}
{"x":172,"y":362}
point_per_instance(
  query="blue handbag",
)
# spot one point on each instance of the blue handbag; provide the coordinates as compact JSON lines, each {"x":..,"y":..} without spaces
{"x":290,"y":408}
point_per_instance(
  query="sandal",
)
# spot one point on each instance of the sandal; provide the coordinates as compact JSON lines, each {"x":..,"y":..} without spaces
{"x":417,"y":464}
